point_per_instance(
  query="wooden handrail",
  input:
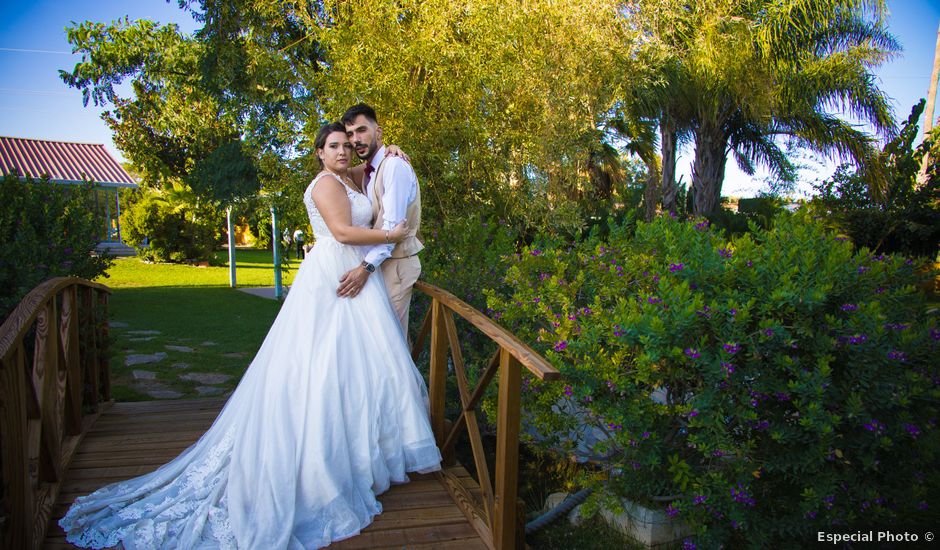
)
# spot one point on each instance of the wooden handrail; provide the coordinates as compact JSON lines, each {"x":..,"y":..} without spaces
{"x":48,"y":398}
{"x":497,"y":517}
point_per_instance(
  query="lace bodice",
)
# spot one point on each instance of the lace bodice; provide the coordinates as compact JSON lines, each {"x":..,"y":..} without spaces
{"x":360,"y":204}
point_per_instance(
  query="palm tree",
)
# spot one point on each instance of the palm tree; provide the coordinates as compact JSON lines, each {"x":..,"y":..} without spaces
{"x":750,"y":77}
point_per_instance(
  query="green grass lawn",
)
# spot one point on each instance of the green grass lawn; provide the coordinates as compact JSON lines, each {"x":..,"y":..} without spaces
{"x":191,"y":307}
{"x":252,"y":268}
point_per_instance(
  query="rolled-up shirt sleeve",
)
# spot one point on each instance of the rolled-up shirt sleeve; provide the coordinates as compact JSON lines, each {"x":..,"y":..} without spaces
{"x":401,"y":185}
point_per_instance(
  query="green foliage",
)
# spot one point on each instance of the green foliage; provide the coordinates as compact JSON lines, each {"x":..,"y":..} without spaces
{"x":902,"y":218}
{"x":767,"y":386}
{"x":170,"y":227}
{"x":48,"y":230}
{"x":734,"y":76}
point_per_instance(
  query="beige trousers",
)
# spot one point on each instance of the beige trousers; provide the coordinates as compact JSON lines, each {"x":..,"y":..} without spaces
{"x":400,"y":275}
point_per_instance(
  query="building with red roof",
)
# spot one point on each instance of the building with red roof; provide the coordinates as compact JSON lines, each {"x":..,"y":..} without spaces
{"x":65,"y":162}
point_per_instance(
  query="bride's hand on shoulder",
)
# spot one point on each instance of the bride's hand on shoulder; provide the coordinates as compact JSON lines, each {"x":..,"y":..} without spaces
{"x":392,"y":150}
{"x":398,"y":233}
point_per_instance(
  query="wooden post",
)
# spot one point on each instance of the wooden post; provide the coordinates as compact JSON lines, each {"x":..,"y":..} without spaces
{"x":16,"y":531}
{"x":438,"y":376}
{"x":507,"y":451}
{"x":68,"y":342}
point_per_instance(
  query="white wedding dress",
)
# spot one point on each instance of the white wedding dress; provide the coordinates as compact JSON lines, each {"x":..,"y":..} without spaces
{"x":330,"y":412}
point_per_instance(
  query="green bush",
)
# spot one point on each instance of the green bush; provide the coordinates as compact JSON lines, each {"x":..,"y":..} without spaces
{"x":166,"y":227}
{"x":48,"y":230}
{"x":902,"y":218}
{"x":766,"y":387}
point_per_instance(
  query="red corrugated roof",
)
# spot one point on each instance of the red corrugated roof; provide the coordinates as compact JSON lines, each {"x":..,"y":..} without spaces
{"x":62,"y":161}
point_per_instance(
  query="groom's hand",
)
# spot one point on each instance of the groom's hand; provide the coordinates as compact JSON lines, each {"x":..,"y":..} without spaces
{"x":352,"y":282}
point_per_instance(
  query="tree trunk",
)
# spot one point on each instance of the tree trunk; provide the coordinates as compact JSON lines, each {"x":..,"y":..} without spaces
{"x":667,"y":130}
{"x":708,"y":170}
{"x":651,"y":191}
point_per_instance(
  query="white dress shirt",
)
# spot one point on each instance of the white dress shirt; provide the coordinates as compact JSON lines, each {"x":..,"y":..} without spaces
{"x":401,"y":187}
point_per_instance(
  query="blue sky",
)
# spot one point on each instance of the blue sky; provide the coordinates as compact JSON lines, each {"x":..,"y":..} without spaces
{"x":35,"y":103}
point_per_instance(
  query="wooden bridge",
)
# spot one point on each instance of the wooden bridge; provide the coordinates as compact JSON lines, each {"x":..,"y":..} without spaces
{"x":62,"y":436}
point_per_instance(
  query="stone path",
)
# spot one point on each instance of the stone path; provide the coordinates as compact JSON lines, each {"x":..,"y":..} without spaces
{"x":147,"y":381}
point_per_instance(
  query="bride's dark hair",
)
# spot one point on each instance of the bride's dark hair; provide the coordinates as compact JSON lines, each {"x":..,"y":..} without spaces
{"x":325,"y":130}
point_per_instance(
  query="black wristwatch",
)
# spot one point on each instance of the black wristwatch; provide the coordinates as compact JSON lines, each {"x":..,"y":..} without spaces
{"x":368,"y":267}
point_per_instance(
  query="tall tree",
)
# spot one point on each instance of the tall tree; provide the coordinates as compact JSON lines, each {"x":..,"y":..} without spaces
{"x":750,"y":78}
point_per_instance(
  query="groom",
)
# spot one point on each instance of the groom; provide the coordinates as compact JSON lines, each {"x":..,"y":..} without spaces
{"x":391,"y":185}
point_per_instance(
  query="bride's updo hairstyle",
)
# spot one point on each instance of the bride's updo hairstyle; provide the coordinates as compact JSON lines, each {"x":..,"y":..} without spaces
{"x":325,"y":131}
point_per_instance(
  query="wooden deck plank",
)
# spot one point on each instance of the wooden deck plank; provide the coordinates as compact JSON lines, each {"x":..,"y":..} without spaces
{"x":132,"y":439}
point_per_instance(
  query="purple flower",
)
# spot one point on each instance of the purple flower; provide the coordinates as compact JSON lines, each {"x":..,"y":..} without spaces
{"x":560,"y":346}
{"x":610,"y":385}
{"x":536,"y":252}
{"x":897,"y":355}
{"x":732,"y":348}
{"x":761,"y":425}
{"x":849,"y":307}
{"x":702,"y":225}
{"x":811,"y":514}
{"x":742,"y":496}
{"x":614,"y":426}
{"x":749,"y":263}
{"x":700,"y":499}
{"x":586,"y":311}
{"x":672,"y":511}
{"x":536,"y":299}
{"x":645,"y":435}
{"x":732,"y":312}
{"x":687,"y":544}
{"x":692,"y":353}
{"x":863,"y":269}
{"x":912,"y":430}
{"x":676,"y":267}
{"x":922,"y":505}
{"x":782,"y":396}
{"x":693,"y":413}
{"x":729,"y":368}
{"x":858,"y":339}
{"x":653,"y":300}
{"x":935,"y":333}
{"x":704,"y":312}
{"x":725,"y":252}
{"x":543,"y":276}
{"x":897,"y":326}
{"x":874,"y":426}
{"x":568,"y":391}
{"x":768,"y":332}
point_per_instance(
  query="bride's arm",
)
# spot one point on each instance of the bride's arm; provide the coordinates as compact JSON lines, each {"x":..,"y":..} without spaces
{"x":333,"y":204}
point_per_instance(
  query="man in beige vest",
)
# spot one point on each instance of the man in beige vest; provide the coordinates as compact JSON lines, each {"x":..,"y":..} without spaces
{"x":391,"y":184}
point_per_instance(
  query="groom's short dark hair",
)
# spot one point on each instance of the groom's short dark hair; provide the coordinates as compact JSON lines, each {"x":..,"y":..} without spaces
{"x":360,"y":109}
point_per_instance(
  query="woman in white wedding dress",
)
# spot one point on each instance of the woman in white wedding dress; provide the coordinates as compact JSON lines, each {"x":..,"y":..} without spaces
{"x":330,"y":412}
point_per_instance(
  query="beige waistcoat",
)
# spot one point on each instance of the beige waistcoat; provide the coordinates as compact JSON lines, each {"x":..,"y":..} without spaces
{"x":411,"y":245}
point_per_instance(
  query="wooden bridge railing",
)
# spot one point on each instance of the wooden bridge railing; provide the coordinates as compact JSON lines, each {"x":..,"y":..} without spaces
{"x":53,"y":377}
{"x":497,"y":519}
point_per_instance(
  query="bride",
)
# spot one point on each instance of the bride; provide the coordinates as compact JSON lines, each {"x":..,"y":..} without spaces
{"x":330,"y":412}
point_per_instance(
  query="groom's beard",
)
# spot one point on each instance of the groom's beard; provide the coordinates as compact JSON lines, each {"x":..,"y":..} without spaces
{"x":370,"y":150}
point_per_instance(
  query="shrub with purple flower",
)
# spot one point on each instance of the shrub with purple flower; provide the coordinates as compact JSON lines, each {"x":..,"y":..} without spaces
{"x":769,"y":383}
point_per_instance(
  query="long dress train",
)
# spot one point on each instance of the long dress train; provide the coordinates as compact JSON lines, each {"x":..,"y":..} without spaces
{"x":330,"y":412}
